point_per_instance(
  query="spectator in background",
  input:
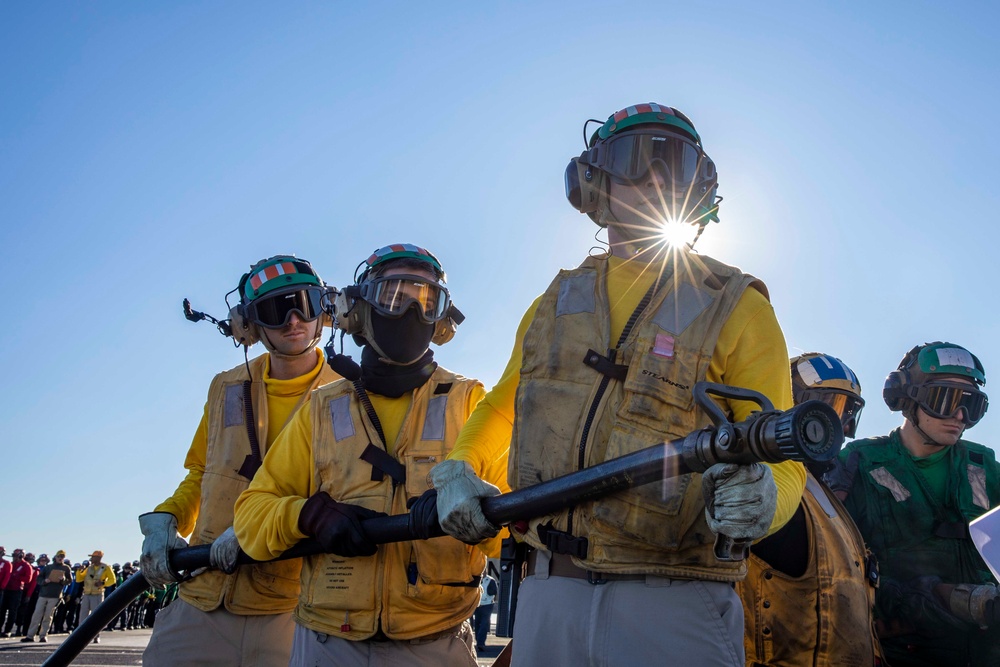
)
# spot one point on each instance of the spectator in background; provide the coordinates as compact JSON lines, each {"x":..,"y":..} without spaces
{"x":51,"y":581}
{"x":96,"y":579}
{"x":117,"y":568}
{"x":4,"y":574}
{"x":482,"y":617}
{"x":21,"y":574}
{"x":29,"y":598}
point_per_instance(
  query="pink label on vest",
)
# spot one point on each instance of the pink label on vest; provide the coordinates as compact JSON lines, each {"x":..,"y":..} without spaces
{"x":664,"y":346}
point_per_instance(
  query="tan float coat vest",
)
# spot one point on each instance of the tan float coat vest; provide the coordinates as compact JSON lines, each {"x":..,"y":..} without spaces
{"x":94,"y":585}
{"x":253,"y":590}
{"x":823,"y":618}
{"x":667,"y":352}
{"x":412,"y":589}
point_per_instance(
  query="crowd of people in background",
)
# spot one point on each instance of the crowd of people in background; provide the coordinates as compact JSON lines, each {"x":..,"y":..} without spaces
{"x":45,"y":595}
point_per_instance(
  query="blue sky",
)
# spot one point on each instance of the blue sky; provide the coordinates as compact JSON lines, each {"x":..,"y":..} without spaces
{"x":153,"y":151}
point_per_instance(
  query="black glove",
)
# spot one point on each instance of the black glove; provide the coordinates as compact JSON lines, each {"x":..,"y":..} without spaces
{"x":424,"y":516}
{"x":337,"y":526}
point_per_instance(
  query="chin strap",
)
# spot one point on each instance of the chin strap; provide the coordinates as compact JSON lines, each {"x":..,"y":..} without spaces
{"x":928,"y":440}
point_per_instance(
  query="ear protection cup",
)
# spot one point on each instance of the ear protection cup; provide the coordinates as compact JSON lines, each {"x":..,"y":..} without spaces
{"x":244,"y":331}
{"x":349,"y":311}
{"x":444,"y":331}
{"x":584,"y":185}
{"x":894,"y":391}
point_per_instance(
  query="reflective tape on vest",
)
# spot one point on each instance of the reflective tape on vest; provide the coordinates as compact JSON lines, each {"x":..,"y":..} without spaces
{"x":977,"y":480}
{"x":434,"y":421}
{"x":885,"y":479}
{"x":340,"y":417}
{"x":232,"y":414}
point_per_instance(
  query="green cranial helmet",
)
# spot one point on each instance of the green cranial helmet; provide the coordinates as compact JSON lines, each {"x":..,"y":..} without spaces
{"x":270,"y":293}
{"x":645,"y":114}
{"x":944,"y":359}
{"x":936,"y":377}
{"x":276,"y":273}
{"x":628,"y":147}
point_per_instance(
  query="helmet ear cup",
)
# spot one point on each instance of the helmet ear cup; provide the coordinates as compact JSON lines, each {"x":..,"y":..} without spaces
{"x":444,"y":331}
{"x":894,"y":391}
{"x":584,"y":184}
{"x":349,"y":311}
{"x":244,"y":331}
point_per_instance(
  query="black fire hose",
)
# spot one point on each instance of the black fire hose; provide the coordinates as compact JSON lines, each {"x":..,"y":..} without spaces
{"x":810,"y":432}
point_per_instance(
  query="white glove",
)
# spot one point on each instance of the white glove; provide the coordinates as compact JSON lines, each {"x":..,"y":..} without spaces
{"x":224,"y":551}
{"x":739,"y":500}
{"x":459,"y":491}
{"x":160,"y":530}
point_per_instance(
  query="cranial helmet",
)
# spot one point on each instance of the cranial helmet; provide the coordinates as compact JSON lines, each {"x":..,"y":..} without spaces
{"x":817,"y":376}
{"x":394,"y":296}
{"x":270,"y":292}
{"x":926,"y":378}
{"x":630,"y":143}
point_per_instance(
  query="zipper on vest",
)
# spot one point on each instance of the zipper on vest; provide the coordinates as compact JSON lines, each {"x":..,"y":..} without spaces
{"x":606,"y":380}
{"x":581,"y":452}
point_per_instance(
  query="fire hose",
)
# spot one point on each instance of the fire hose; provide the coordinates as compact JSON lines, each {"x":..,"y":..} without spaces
{"x":809,"y":432}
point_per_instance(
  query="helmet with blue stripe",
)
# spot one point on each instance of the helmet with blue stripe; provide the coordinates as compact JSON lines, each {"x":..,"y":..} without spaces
{"x":817,"y":376}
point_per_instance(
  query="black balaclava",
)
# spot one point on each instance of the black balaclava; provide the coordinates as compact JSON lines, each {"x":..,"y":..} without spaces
{"x":405,"y":340}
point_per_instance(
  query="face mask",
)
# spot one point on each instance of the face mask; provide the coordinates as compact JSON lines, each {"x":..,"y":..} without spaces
{"x":402,"y":339}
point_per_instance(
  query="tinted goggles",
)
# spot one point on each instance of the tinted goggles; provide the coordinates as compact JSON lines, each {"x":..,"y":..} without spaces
{"x":629,"y":157}
{"x":846,"y":404}
{"x":943,"y":400}
{"x":393,"y":295}
{"x":273,"y":312}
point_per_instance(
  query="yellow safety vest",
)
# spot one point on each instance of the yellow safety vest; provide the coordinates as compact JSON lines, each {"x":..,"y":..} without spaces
{"x":824,"y":617}
{"x":253,"y":590}
{"x":667,"y":352}
{"x":93,"y":580}
{"x":409,"y":589}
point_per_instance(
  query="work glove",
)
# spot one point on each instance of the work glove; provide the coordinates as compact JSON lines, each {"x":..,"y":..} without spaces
{"x":225,"y":549}
{"x":739,"y":500}
{"x":337,"y":526}
{"x":424,"y":516}
{"x":160,"y":537}
{"x":459,"y":496}
{"x":977,"y":604}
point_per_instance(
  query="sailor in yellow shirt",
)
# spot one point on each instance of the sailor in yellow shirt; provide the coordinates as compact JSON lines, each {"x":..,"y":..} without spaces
{"x":238,"y":615}
{"x":630,"y":579}
{"x":95,"y":579}
{"x":363,"y":447}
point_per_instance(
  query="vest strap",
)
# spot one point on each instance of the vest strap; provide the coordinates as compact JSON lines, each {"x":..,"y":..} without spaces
{"x":382,"y":464}
{"x":605,"y":366}
{"x":559,"y":542}
{"x":953,"y":530}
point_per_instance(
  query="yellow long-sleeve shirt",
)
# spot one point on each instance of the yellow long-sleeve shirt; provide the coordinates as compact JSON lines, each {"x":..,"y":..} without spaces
{"x":267,"y":513}
{"x":282,"y":397}
{"x":749,"y":352}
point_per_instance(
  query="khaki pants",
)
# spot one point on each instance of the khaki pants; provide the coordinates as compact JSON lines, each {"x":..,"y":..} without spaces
{"x":41,"y":620}
{"x":88,"y":604}
{"x":311,"y":649}
{"x":186,"y":635}
{"x":655,"y":621}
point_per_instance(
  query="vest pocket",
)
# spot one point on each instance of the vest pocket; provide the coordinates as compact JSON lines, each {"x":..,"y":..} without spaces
{"x":346,"y":584}
{"x":419,"y":461}
{"x":443,"y":560}
{"x":644,"y":518}
{"x":658,"y":390}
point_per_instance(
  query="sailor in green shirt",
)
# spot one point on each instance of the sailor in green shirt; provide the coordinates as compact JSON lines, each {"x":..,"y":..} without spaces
{"x":912,"y":494}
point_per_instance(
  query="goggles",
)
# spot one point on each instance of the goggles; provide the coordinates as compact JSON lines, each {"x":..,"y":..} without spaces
{"x":942,"y":400}
{"x":846,"y":404}
{"x":393,"y":295}
{"x":628,"y":158}
{"x":273,"y":312}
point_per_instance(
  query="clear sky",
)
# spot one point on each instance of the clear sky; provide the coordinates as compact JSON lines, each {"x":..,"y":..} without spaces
{"x":152,"y":151}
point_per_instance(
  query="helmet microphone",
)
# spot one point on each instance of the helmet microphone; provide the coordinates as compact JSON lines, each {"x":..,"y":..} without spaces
{"x":192,"y":315}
